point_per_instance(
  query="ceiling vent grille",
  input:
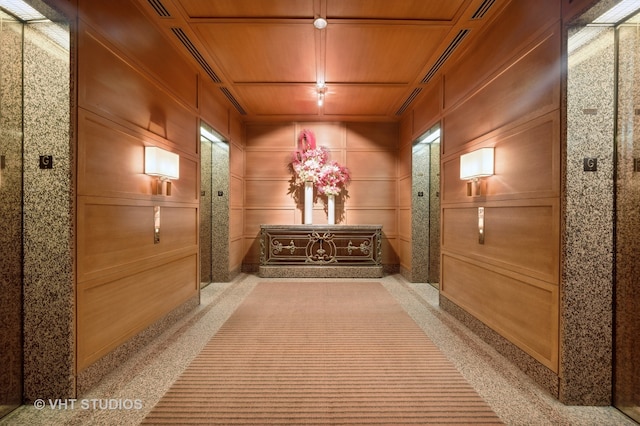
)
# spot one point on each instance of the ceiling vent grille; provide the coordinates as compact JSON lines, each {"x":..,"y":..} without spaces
{"x":483,"y":9}
{"x":195,"y":53}
{"x":410,"y":99}
{"x":233,"y":100}
{"x":445,"y":55}
{"x":159,"y":8}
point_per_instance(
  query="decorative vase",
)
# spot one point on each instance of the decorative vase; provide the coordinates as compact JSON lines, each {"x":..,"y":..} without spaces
{"x":308,"y":203}
{"x":331,"y":209}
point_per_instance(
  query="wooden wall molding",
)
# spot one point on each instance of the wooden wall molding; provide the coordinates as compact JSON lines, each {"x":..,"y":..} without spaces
{"x":505,"y":93}
{"x":130,"y":96}
{"x":522,"y":309}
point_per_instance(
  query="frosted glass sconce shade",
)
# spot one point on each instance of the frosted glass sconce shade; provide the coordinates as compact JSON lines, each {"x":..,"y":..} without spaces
{"x":476,"y":164}
{"x":161,"y":163}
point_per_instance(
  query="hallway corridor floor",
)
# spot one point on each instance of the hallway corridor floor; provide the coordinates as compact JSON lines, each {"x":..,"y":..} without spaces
{"x":128,"y":394}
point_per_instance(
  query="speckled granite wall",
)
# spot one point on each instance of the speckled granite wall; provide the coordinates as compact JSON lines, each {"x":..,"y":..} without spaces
{"x":49,"y":315}
{"x":425,"y":214}
{"x":214,"y":215}
{"x":10,"y":213}
{"x":587,"y":243}
{"x":220,"y":213}
{"x":627,"y":374}
{"x":205,"y":212}
{"x":420,"y":163}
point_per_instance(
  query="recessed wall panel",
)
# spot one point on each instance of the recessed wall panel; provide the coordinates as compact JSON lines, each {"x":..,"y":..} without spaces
{"x":105,"y":80}
{"x":368,"y":193}
{"x":521,"y":238}
{"x":372,"y":136}
{"x":267,"y":164}
{"x":111,"y":312}
{"x":522,"y":309}
{"x":385,"y":217}
{"x":517,"y":93}
{"x":270,"y":136}
{"x":114,"y":236}
{"x":372,"y":164}
{"x":126,"y":26}
{"x":269,"y":192}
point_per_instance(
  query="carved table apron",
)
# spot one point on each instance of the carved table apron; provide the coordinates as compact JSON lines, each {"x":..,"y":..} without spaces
{"x":321,"y":251}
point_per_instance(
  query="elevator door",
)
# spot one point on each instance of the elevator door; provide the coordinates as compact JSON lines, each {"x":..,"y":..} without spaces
{"x":627,"y":287}
{"x":214,"y":207}
{"x":425,"y":208}
{"x":10,"y":213}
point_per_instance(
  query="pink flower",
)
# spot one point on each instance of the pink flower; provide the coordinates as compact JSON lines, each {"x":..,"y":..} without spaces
{"x":311,"y":164}
{"x":306,"y":140}
{"x":333,"y":177}
{"x":307,"y":165}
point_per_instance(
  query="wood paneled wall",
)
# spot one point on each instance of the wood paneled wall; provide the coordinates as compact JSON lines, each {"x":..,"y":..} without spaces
{"x":135,"y":90}
{"x":236,"y":194}
{"x":504,"y":93}
{"x":369,"y":150}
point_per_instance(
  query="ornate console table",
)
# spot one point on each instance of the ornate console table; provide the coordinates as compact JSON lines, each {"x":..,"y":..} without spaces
{"x":326,"y":251}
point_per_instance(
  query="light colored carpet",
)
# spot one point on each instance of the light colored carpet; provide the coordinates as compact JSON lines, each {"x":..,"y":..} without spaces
{"x":321,"y":353}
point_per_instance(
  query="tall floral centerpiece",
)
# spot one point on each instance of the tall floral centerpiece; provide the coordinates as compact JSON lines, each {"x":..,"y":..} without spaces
{"x":312,"y":168}
{"x":333,"y":179}
{"x":307,"y":162}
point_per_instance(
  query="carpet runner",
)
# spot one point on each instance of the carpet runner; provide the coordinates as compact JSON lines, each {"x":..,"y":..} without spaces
{"x":321,"y":353}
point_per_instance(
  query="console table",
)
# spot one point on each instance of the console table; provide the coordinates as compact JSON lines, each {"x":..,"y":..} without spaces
{"x":320,"y":251}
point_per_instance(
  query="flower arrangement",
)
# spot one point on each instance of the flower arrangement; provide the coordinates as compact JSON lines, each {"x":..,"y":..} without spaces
{"x":333,"y":177}
{"x":307,"y":165}
{"x":306,"y":140}
{"x":311,"y":163}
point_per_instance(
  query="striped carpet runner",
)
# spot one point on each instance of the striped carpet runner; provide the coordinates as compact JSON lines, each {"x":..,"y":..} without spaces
{"x":335,"y":353}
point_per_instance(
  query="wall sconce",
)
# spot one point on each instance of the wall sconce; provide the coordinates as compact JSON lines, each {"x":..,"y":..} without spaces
{"x":163,"y":165}
{"x":473,"y":166}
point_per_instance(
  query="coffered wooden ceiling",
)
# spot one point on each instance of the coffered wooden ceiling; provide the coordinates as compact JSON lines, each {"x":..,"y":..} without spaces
{"x":375,"y":56}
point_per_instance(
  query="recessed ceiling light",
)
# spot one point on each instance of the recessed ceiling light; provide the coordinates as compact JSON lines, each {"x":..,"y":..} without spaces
{"x":210,"y":135}
{"x":613,"y":16}
{"x":430,"y":137}
{"x":320,"y":23}
{"x":56,"y":32}
{"x":616,"y":14}
{"x":21,"y":10}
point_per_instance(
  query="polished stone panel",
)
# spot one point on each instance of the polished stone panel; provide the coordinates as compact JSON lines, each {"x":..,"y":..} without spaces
{"x":205,"y":212}
{"x":220,"y":213}
{"x":627,"y":295}
{"x":425,"y":212}
{"x":214,"y":212}
{"x":420,"y":197}
{"x":10,"y":213}
{"x":586,"y":293}
{"x":49,"y":293}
